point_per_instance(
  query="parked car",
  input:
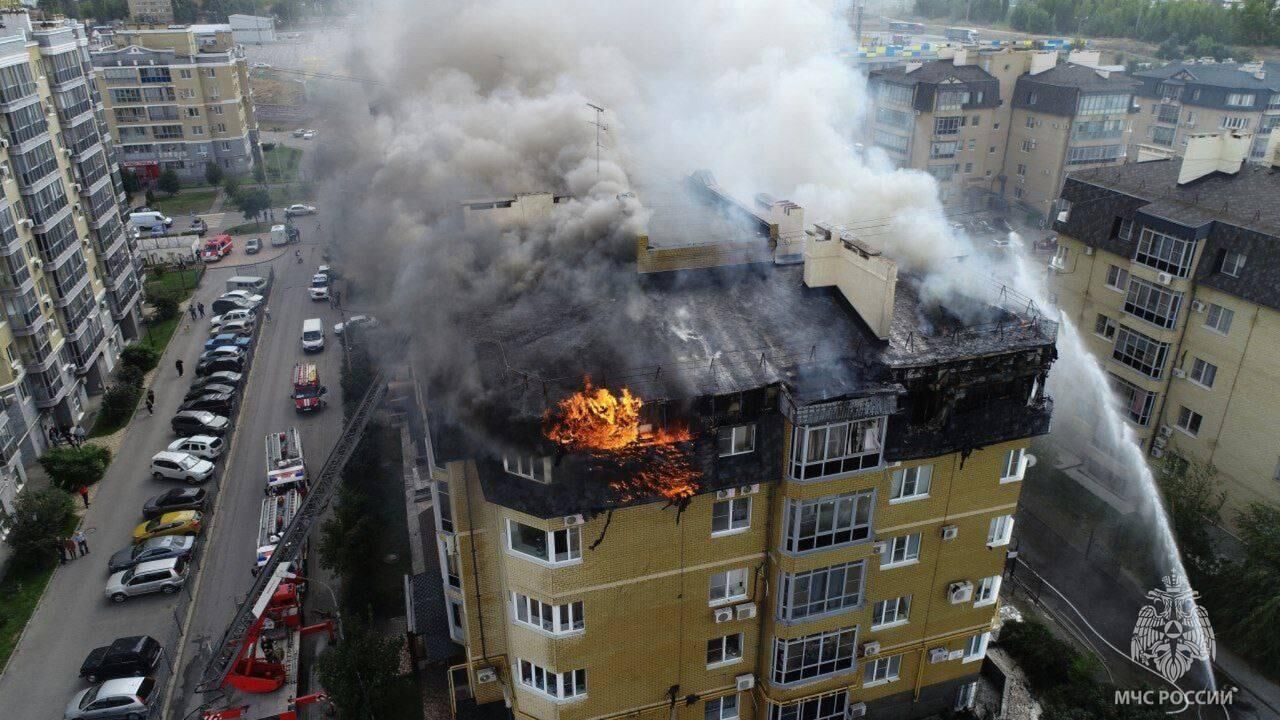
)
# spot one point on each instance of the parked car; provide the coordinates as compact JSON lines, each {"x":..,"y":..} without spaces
{"x":222,"y":305}
{"x":209,"y":389}
{"x":173,"y":500}
{"x":228,"y":339}
{"x":309,"y":135}
{"x":253,"y":246}
{"x":355,"y":321}
{"x":219,"y":378}
{"x":120,"y":698}
{"x":206,"y":447}
{"x":319,"y":289}
{"x":182,"y":522}
{"x":132,"y":656}
{"x":298,"y":209}
{"x":220,"y":403}
{"x":195,"y":422}
{"x":161,"y":548}
{"x":198,"y":226}
{"x":299,"y":132}
{"x":222,"y":351}
{"x":169,"y":465}
{"x":217,"y":248}
{"x":166,"y":576}
{"x":237,"y":327}
{"x":230,"y":315}
{"x":251,"y":298}
{"x":220,"y":364}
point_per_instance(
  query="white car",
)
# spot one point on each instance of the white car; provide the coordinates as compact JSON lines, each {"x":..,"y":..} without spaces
{"x":261,"y":66}
{"x":319,"y":289}
{"x":245,"y":295}
{"x":309,"y":135}
{"x":298,"y":209}
{"x":206,"y":447}
{"x":355,"y":321}
{"x":231,"y":315}
{"x":171,"y":465}
{"x":299,"y":132}
{"x":123,"y":697}
{"x":166,"y":576}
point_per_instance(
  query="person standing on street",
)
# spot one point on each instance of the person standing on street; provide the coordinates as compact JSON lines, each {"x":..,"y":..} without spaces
{"x":192,"y":310}
{"x":69,"y":547}
{"x":266,"y":312}
{"x":62,"y":552}
{"x":78,"y":435}
{"x":151,"y":402}
{"x":200,"y":307}
{"x":82,"y":542}
{"x":178,"y":364}
{"x":83,"y":490}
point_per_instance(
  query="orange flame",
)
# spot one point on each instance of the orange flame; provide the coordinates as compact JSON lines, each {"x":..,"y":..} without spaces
{"x":596,"y":419}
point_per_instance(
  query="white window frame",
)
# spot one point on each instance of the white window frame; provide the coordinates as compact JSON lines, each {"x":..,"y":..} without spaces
{"x":890,"y":613}
{"x":529,"y":467}
{"x":747,"y":432}
{"x":727,"y":580}
{"x":857,"y":448}
{"x":569,"y":685}
{"x":732,"y":527}
{"x":1000,"y":531}
{"x":975,"y":648}
{"x":1189,"y":421}
{"x":1215,"y":317}
{"x":1109,"y":327}
{"x":1163,"y":252}
{"x":988,"y":591}
{"x":573,"y":543}
{"x":722,"y":708}
{"x":529,"y":607}
{"x":812,"y":593}
{"x":1014,"y":467}
{"x":720,"y":645}
{"x":882,"y":671}
{"x":901,"y":550}
{"x":798,"y":512}
{"x":913,"y":483}
{"x":965,"y":696}
{"x":1199,"y":369}
{"x":828,"y":653}
{"x":828,"y":706}
{"x":1233,"y":263}
{"x":1121,"y":283}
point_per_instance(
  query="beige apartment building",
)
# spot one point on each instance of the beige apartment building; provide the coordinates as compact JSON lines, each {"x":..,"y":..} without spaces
{"x":151,"y":11}
{"x":1184,"y":99}
{"x":178,"y":98}
{"x":815,"y":531}
{"x":1168,"y":269}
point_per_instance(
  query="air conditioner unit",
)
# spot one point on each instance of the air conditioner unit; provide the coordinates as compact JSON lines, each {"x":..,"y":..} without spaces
{"x":725,"y":494}
{"x":1088,"y":249}
{"x":77,"y":187}
{"x":103,"y":304}
{"x":955,"y":654}
{"x":724,"y":614}
{"x":856,"y":710}
{"x":1198,"y":306}
{"x":486,"y":675}
{"x":960,"y":592}
{"x":572,"y":520}
{"x":1165,"y":431}
{"x":745,"y":611}
{"x":949,"y":532}
{"x":9,"y":398}
{"x":1157,"y":452}
{"x":1160,"y":442}
{"x":66,"y":152}
{"x":1164,"y":278}
{"x":880,"y":547}
{"x":4,"y":143}
{"x":749,"y":489}
{"x":744,"y":682}
{"x":77,"y":207}
{"x":69,"y":367}
{"x":870,"y":649}
{"x":1179,"y":373}
{"x":938,"y":655}
{"x":37,"y":262}
{"x":26,"y":223}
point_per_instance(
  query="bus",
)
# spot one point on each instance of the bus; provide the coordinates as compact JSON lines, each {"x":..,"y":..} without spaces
{"x":964,"y":35}
{"x":902,"y":26}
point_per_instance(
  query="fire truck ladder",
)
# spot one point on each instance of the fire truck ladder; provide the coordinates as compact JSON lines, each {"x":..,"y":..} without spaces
{"x":289,"y":548}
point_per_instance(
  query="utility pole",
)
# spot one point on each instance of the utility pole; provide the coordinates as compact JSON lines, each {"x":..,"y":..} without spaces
{"x":599,"y":126}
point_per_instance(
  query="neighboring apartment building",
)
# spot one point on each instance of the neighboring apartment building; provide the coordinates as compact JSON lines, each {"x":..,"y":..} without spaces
{"x":1170,"y":268}
{"x":151,"y":11}
{"x":1005,"y":122}
{"x":67,"y":276}
{"x":1182,"y":99}
{"x":178,"y":98}
{"x":808,"y":519}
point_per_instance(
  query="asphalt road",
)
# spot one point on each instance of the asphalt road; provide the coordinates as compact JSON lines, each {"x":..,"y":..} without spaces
{"x":74,"y":616}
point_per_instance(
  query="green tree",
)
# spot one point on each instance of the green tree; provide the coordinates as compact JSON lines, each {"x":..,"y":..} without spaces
{"x":130,"y":180}
{"x":212,"y":173}
{"x":361,"y":671}
{"x":252,"y":203}
{"x":169,"y":182}
{"x":259,"y":173}
{"x":40,"y":519}
{"x":1194,"y":501}
{"x":1244,"y":598}
{"x":73,"y":467}
{"x":166,"y":307}
{"x":231,"y":186}
{"x":140,"y":356}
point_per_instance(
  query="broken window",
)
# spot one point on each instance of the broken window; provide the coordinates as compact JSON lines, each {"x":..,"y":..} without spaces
{"x":826,"y":450}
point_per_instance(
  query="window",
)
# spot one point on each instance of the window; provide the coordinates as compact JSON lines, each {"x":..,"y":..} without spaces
{"x":555,"y":619}
{"x":951,"y":99}
{"x":1117,"y":277}
{"x":894,"y":94}
{"x":1168,"y":114}
{"x":1153,"y":303}
{"x":1033,"y":97}
{"x":1140,"y":352}
{"x":215,"y":110}
{"x":988,"y":591}
{"x":731,"y":516}
{"x":723,"y":708}
{"x":1134,"y":401}
{"x":1163,"y":135}
{"x":558,"y":686}
{"x":825,"y":590}
{"x":1164,"y":252}
{"x":1022,"y":169}
{"x":193,"y":112}
{"x":125,"y":95}
{"x":549,"y":546}
{"x":910,"y":483}
{"x":826,"y":450}
{"x":186,"y":93}
{"x":1235,"y":123}
{"x":727,"y":586}
{"x":1018,"y":192}
{"x":220,"y":128}
{"x":1028,"y":145}
{"x":975,"y":120}
{"x":814,"y":656}
{"x":1113,"y":104}
{"x":1105,"y":327}
{"x":965,"y":696}
{"x":736,"y":440}
{"x":1094,"y":154}
{"x":1240,"y":99}
{"x":827,"y":522}
{"x":946,"y":126}
{"x":890,"y":141}
{"x":724,"y":650}
{"x":943,"y":173}
{"x":1189,"y":421}
{"x":976,"y":647}
{"x":895,"y":611}
{"x":1014,"y":466}
{"x":972,"y":143}
{"x":894,"y":118}
{"x":1097,"y":129}
{"x":1219,"y":319}
{"x":1203,"y":372}
{"x":209,"y":72}
{"x":943,"y":149}
{"x":1000,"y":531}
{"x":184,"y":73}
{"x":881,"y":671}
{"x":526,"y":466}
{"x":968,"y":168}
{"x":197,"y":129}
{"x":901,"y":550}
{"x":1031,"y":121}
{"x":1232,"y":263}
{"x":823,"y":707}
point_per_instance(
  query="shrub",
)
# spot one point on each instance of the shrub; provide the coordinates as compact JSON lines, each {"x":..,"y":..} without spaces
{"x":40,"y":519}
{"x":130,"y":375}
{"x":166,"y":308}
{"x":212,"y":173}
{"x":71,"y":467}
{"x":140,"y":356}
{"x":1044,"y":658}
{"x":119,"y":402}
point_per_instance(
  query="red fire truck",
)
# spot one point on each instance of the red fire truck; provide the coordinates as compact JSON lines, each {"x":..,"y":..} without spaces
{"x":308,"y":393}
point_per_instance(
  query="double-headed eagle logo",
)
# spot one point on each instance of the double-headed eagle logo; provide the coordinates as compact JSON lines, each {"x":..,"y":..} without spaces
{"x":1173,"y":632}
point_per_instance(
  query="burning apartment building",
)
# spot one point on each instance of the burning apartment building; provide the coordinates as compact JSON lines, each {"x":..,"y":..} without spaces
{"x":784,"y":489}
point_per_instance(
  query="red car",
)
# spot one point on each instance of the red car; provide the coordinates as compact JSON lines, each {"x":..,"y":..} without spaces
{"x":217,"y":248}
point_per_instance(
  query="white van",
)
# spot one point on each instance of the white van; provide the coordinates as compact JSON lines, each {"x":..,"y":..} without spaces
{"x":149,"y":219}
{"x":251,"y":283}
{"x":279,"y":236}
{"x":312,"y":335}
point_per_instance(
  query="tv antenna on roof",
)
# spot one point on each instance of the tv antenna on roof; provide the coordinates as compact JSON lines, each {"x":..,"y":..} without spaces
{"x":599,"y":126}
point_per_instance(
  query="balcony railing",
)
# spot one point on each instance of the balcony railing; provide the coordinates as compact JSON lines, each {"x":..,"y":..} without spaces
{"x":26,"y":321}
{"x":49,"y":391}
{"x":85,"y":347}
{"x":997,"y":422}
{"x":124,"y":296}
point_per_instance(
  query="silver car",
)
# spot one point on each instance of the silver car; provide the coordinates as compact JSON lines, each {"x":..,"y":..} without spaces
{"x":131,"y":698}
{"x":166,"y":576}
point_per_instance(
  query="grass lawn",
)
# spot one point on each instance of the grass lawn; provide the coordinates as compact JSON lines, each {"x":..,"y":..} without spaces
{"x":281,"y":163}
{"x":185,"y":202}
{"x":173,"y":283}
{"x":19,"y":593}
{"x":248,"y":228}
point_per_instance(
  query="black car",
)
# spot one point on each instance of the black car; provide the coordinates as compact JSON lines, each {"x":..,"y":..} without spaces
{"x":159,"y":548}
{"x":126,"y":657}
{"x":217,"y":365}
{"x":225,"y":378}
{"x":225,"y":304}
{"x":172,"y":500}
{"x":213,"y":402}
{"x":197,"y":422}
{"x":208,"y":389}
